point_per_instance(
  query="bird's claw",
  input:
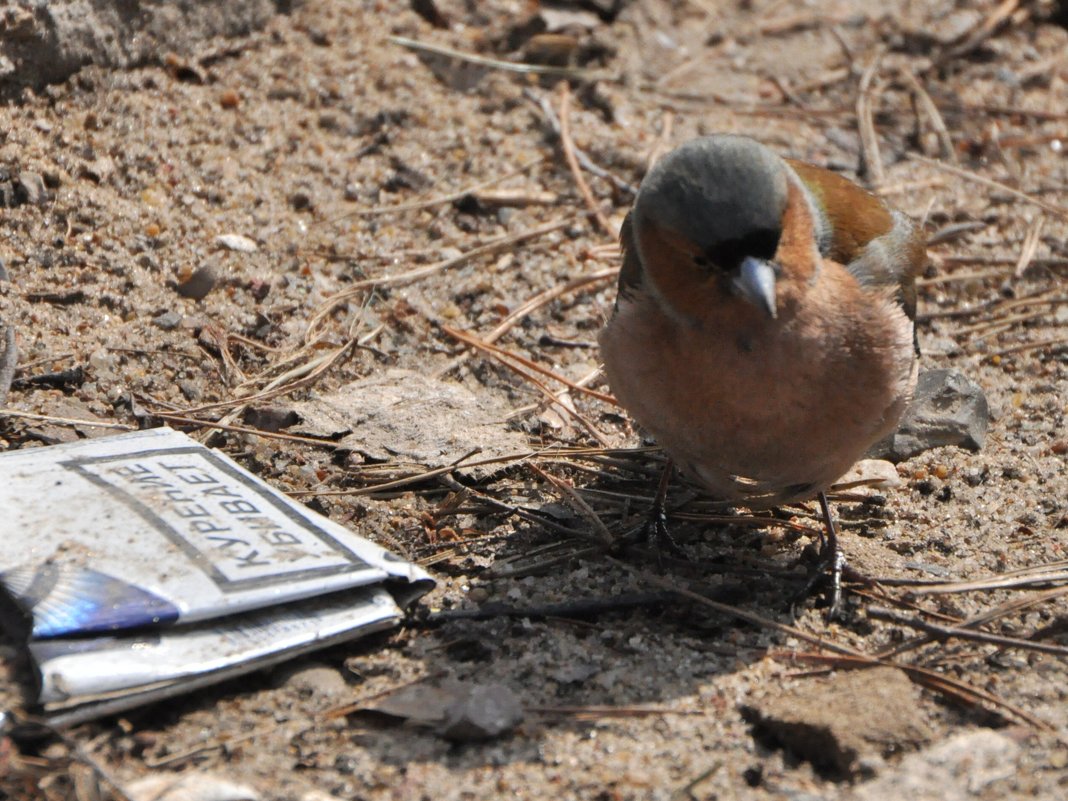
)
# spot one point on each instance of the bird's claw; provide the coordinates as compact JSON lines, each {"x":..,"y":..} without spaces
{"x":829,"y":566}
{"x":656,"y":531}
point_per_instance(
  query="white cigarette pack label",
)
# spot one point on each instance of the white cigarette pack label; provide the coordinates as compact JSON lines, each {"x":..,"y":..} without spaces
{"x":238,"y":534}
{"x":153,"y":528}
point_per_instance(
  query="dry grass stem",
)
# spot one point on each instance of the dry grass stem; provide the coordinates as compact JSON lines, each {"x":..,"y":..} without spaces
{"x":983,"y":31}
{"x":584,"y":160}
{"x":504,"y":355}
{"x":1036,"y":576}
{"x":932,"y":680}
{"x":604,"y":536}
{"x":1030,"y":246}
{"x":441,"y":199}
{"x":497,"y":64}
{"x":869,"y":140}
{"x":924,"y":101}
{"x":411,"y":276}
{"x":942,"y":632}
{"x":968,"y":175}
{"x":1029,"y":346}
{"x":529,"y":306}
{"x":297,"y":378}
{"x":66,"y":421}
{"x":572,"y":162}
{"x":213,"y":424}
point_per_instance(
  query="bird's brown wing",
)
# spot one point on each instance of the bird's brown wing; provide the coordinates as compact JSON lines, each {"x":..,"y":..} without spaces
{"x":858,"y":219}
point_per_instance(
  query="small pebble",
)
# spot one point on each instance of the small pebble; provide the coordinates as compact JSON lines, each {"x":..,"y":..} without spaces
{"x":30,"y":188}
{"x":242,"y":244}
{"x":168,"y":320}
{"x":199,"y":284}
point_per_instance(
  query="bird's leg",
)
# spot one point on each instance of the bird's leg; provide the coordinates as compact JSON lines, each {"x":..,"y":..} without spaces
{"x":655,"y":527}
{"x":829,"y":564}
{"x":832,"y":557}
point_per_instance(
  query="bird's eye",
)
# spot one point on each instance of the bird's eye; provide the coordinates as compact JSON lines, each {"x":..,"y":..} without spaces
{"x":704,"y":261}
{"x":727,"y":254}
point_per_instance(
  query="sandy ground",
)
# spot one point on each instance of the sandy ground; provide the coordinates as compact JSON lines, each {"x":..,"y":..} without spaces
{"x":299,"y":136}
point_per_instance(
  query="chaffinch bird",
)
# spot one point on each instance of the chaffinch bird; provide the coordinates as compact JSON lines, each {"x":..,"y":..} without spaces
{"x":763,"y":329}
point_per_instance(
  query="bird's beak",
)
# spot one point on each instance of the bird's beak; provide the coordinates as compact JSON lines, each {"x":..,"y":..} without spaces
{"x":756,"y":283}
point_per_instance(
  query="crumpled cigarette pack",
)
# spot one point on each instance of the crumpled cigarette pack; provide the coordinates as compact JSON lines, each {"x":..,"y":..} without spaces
{"x":141,"y":565}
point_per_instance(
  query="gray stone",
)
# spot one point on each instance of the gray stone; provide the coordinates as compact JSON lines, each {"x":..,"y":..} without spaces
{"x":188,"y":787}
{"x":948,"y":409}
{"x":47,"y":42}
{"x":461,"y":711}
{"x":961,"y":768}
{"x":486,"y":711}
{"x":409,"y":416}
{"x":168,"y":320}
{"x":30,"y":188}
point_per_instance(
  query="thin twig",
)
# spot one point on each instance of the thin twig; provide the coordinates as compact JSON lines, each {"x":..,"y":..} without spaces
{"x":413,"y":479}
{"x":504,"y":358}
{"x":475,"y":342}
{"x":441,"y":199}
{"x":585,"y":161}
{"x":214,"y":424}
{"x":956,"y":278}
{"x":578,"y":608}
{"x":953,"y":231}
{"x":925,"y":102}
{"x":738,"y":612}
{"x":1046,"y":343}
{"x":932,"y":680}
{"x":968,"y":175}
{"x":1027,"y":577}
{"x":548,"y":295}
{"x":309,"y":371}
{"x":613,"y":711}
{"x":9,"y":359}
{"x":572,"y":161}
{"x":940,"y":632}
{"x":68,"y":421}
{"x":420,"y":273}
{"x":605,"y":537}
{"x":987,"y":327}
{"x":869,"y":140}
{"x":983,"y":31}
{"x":1030,"y":247}
{"x":497,"y":64}
{"x":279,"y":386}
{"x":527,"y":307}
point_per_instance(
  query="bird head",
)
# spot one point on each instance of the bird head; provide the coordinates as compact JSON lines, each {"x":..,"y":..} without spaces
{"x":710,"y":223}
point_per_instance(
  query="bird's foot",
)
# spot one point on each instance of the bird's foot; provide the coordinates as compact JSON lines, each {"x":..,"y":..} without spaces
{"x":829,"y":566}
{"x":655,"y":528}
{"x":655,"y":531}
